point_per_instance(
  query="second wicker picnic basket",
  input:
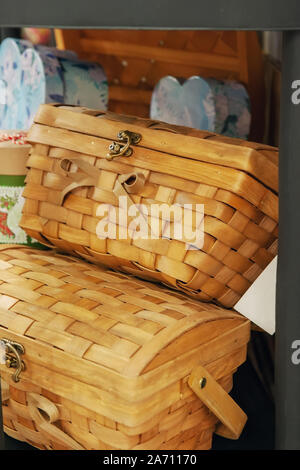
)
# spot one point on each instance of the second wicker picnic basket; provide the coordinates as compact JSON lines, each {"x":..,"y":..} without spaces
{"x":99,"y":360}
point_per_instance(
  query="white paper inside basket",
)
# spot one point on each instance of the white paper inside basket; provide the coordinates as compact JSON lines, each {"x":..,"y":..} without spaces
{"x":258,"y":303}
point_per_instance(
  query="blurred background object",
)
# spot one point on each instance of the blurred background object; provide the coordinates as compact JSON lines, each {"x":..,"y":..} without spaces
{"x":221,"y":106}
{"x":136,"y":60}
{"x":37,"y":35}
{"x":14,"y":151}
{"x":31,"y":75}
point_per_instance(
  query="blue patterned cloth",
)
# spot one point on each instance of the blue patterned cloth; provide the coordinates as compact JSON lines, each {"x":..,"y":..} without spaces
{"x":57,"y":52}
{"x":10,"y":80}
{"x":41,"y":82}
{"x":33,"y":75}
{"x":203,"y":103}
{"x":85,"y":84}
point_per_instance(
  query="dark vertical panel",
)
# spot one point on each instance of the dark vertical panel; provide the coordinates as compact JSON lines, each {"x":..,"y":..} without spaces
{"x":288,"y":281}
{"x":9,"y":33}
{"x":1,"y":425}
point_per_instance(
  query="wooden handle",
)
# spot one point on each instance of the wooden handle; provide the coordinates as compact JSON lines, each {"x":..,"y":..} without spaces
{"x":132,"y":183}
{"x":37,"y":403}
{"x":88,"y":177}
{"x":232,"y":417}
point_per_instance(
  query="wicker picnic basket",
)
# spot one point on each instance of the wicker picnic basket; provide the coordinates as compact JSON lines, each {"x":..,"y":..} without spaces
{"x":75,"y":165}
{"x":95,"y":359}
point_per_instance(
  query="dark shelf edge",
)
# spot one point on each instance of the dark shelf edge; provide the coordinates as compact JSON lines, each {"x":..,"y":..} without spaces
{"x":157,"y":14}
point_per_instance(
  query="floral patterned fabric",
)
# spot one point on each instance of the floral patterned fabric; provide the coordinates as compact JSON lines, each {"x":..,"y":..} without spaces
{"x":10,"y":79}
{"x":203,"y":103}
{"x":85,"y":84}
{"x":41,"y":82}
{"x":33,"y":75}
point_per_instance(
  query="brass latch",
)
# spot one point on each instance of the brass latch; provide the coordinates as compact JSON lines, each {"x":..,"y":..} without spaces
{"x":117,"y":149}
{"x":12,"y":352}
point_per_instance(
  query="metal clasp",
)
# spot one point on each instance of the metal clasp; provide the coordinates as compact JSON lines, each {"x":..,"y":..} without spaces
{"x":117,"y":149}
{"x":13,"y":351}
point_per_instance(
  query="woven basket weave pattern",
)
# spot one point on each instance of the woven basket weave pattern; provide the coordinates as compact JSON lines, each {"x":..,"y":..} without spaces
{"x":108,"y":356}
{"x":96,"y":432}
{"x":241,"y":213}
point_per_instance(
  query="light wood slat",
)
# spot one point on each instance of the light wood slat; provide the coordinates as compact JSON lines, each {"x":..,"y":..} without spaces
{"x":156,"y":317}
{"x":166,"y":55}
{"x":14,"y":322}
{"x":74,"y":345}
{"x":106,"y":357}
{"x":100,"y":297}
{"x":21,"y":293}
{"x":73,"y":311}
{"x":129,"y":95}
{"x":131,"y":333}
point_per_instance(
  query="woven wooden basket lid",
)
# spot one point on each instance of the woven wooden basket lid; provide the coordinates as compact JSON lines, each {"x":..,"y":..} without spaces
{"x":107,"y":340}
{"x":219,"y":157}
